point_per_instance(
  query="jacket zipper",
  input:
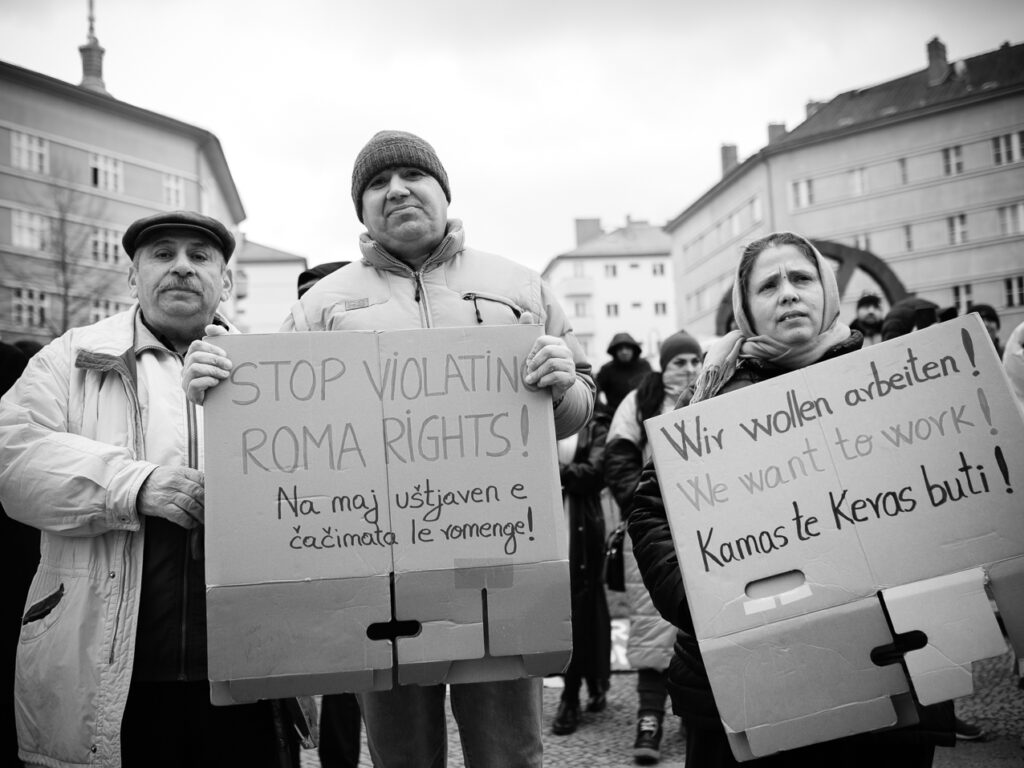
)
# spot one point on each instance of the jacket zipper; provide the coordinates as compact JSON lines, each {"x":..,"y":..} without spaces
{"x":421,"y":298}
{"x":128,"y":381}
{"x":476,"y":297}
{"x":191,"y":541}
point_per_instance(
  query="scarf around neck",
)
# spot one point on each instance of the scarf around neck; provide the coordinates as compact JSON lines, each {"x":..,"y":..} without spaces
{"x":723,"y":356}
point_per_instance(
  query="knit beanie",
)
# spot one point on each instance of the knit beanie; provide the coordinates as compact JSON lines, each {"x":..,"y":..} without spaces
{"x":394,"y":149}
{"x":679,"y":343}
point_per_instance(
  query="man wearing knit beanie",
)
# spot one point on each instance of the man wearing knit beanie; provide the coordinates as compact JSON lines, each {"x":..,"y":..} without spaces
{"x":417,"y":272}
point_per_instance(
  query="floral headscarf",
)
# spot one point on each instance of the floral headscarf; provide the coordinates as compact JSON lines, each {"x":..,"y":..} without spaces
{"x":724,"y":354}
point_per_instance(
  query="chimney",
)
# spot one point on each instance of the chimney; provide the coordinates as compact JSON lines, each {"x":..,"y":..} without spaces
{"x":813,"y":107}
{"x":587,"y":229}
{"x":729,"y":158}
{"x":92,"y":60}
{"x":776,"y":131}
{"x":938,"y":67}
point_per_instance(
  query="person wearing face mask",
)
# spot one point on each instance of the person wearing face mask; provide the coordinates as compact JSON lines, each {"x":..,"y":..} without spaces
{"x":786,"y":303}
{"x":650,"y":637}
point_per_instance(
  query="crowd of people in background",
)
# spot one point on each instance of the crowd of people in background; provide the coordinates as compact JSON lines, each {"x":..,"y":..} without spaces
{"x":101,"y":466}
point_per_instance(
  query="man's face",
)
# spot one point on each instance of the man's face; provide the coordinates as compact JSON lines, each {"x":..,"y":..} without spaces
{"x":625,"y":353}
{"x":179,"y":278}
{"x":993,"y":329}
{"x":870,"y":315}
{"x":405,"y":210}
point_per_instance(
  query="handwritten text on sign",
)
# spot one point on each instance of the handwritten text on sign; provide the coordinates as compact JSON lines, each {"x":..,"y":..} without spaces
{"x":338,"y":444}
{"x":896,"y":444}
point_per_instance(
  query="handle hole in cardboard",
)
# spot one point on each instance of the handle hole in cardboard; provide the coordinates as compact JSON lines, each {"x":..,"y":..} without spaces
{"x":775,"y":585}
{"x":892,"y":653}
{"x":390,"y":630}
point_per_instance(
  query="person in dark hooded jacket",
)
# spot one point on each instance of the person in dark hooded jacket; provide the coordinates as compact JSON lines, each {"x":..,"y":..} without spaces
{"x":623,"y":372}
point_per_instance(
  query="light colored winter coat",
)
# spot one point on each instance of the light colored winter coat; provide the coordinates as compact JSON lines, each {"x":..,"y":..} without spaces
{"x":455,"y":286}
{"x":72,"y":461}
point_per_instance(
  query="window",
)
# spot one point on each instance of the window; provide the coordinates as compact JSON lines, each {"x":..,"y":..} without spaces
{"x":1014,"y":291}
{"x":174,"y":191}
{"x":1006,"y":149}
{"x":611,"y":310}
{"x":755,"y":210}
{"x":660,"y":308}
{"x":579,"y":308}
{"x":30,"y":230}
{"x":578,"y":269}
{"x":952,"y":161}
{"x":962,"y":298}
{"x":29,"y":152}
{"x":957,"y":226}
{"x":610,"y":270}
{"x":30,"y":307}
{"x":637,"y":305}
{"x":863,"y":242}
{"x":803,"y":193}
{"x":107,"y":173}
{"x":734,"y":224}
{"x":657,"y":269}
{"x":105,"y":246}
{"x":1010,"y":218}
{"x":634,"y":265}
{"x":908,"y":238}
{"x":858,"y":182}
{"x":101,"y":309}
{"x":904,"y":177}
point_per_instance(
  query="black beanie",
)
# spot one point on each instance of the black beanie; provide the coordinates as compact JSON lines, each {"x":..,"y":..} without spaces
{"x":679,"y":343}
{"x":394,"y":149}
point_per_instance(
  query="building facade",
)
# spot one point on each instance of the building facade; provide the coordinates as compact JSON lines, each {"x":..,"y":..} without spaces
{"x":77,"y":166}
{"x":616,"y":281}
{"x":266,"y":285}
{"x":922,"y":176}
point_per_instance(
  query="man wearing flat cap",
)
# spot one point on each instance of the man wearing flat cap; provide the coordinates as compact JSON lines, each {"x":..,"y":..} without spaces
{"x":416,"y":271}
{"x":101,"y":451}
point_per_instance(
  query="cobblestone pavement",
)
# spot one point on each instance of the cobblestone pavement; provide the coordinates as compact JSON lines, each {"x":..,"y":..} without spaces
{"x":606,"y":738}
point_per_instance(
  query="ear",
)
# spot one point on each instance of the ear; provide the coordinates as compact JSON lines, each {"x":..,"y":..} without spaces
{"x":133,"y":281}
{"x":229,"y":283}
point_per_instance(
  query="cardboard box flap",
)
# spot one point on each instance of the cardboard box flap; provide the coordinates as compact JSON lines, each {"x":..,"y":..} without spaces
{"x":954,"y":614}
{"x":812,"y":664}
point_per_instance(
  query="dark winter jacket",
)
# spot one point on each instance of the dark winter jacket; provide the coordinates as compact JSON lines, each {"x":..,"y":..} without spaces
{"x":616,"y":379}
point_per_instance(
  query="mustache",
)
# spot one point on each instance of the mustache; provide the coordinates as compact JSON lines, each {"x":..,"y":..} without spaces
{"x":180,"y":285}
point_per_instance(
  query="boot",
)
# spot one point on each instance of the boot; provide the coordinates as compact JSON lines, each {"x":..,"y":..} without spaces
{"x":567,"y":719}
{"x":647,"y":747}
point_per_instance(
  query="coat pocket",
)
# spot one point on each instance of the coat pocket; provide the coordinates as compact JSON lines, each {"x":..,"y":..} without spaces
{"x":44,"y":607}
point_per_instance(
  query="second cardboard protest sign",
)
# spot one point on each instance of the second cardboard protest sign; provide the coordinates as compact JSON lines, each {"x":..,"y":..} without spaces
{"x":383,"y":507}
{"x":795,"y":502}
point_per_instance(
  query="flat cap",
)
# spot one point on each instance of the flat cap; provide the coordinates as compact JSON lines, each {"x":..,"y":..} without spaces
{"x":144,"y":229}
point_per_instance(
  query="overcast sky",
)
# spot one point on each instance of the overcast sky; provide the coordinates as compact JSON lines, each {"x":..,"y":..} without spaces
{"x":542,"y":111}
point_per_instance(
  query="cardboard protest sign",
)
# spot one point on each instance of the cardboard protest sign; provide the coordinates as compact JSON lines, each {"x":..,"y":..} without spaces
{"x":382,"y":508}
{"x":797,"y":504}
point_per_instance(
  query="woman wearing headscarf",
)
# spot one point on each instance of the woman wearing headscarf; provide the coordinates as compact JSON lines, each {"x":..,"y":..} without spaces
{"x":786,"y":305}
{"x":649,"y":648}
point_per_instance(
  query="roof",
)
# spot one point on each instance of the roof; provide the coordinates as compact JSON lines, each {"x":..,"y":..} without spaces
{"x":992,"y":71}
{"x":990,"y":75}
{"x":208,"y":143}
{"x":255,"y":253}
{"x":636,"y":239}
